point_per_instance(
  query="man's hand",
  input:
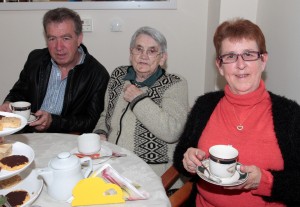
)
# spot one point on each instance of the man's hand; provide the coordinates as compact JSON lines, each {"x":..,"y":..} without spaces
{"x":5,"y":107}
{"x":44,"y":121}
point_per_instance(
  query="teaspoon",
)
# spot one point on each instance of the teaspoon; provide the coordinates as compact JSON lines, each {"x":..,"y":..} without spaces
{"x":210,"y":176}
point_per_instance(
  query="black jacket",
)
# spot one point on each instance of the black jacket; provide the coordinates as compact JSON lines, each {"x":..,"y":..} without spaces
{"x":286,"y":119}
{"x":84,"y":96}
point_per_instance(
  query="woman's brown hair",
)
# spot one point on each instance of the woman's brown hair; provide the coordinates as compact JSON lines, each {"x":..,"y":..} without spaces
{"x":239,"y":29}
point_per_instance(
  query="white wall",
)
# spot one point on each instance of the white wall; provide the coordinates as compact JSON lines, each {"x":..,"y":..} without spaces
{"x":184,"y":28}
{"x":189,"y":30}
{"x":238,"y":8}
{"x":279,"y":20}
{"x":231,"y":9}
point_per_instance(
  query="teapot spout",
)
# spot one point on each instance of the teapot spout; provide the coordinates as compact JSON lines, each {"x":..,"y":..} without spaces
{"x":47,"y":175}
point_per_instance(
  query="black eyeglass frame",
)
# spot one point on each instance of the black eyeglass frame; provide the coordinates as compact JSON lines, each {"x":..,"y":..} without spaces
{"x":259,"y":55}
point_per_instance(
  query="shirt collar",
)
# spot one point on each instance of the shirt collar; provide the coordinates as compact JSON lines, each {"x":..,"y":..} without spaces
{"x":81,"y":60}
{"x":131,"y":76}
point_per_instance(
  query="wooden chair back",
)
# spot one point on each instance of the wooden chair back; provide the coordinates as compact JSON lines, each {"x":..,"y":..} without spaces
{"x":178,"y":198}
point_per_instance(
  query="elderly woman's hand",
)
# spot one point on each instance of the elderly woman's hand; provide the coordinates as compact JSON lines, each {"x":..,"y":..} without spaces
{"x":131,"y":91}
{"x":253,"y":179}
{"x":192,"y":158}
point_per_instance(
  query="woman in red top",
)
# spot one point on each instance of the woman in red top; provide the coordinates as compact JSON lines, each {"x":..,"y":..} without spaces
{"x":262,"y":126}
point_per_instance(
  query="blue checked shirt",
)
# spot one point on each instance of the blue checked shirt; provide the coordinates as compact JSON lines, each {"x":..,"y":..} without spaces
{"x":54,"y":99}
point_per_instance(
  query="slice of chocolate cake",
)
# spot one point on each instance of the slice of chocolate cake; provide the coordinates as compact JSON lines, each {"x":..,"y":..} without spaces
{"x":17,"y":198}
{"x":13,"y":162}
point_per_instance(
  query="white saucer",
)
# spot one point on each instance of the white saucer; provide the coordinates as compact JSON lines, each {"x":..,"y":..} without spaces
{"x":104,"y":151}
{"x":237,"y":179}
{"x":18,"y":148}
{"x":32,"y":118}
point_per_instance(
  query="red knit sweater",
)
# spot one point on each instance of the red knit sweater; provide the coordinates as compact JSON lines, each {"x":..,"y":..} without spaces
{"x":256,"y":143}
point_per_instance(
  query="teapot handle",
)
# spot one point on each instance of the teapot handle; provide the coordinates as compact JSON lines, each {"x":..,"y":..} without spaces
{"x":90,"y":167}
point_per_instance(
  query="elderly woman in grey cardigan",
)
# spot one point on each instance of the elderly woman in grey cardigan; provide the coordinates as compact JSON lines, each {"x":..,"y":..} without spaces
{"x":145,"y":107}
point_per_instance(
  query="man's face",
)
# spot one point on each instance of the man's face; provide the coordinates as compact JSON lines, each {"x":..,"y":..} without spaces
{"x":63,"y":43}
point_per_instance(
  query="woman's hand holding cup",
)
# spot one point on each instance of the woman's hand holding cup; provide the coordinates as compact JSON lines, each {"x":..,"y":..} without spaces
{"x":192,"y":158}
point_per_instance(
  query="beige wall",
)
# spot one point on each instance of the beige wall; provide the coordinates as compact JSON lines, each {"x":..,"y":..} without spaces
{"x":189,"y":30}
{"x":281,"y":28}
{"x":184,"y":28}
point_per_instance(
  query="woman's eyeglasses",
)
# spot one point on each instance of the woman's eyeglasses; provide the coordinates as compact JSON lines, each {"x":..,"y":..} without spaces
{"x":151,"y":53}
{"x":246,"y":56}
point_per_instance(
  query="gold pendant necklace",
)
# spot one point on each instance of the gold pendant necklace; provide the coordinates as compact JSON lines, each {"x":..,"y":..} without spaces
{"x":240,"y":126}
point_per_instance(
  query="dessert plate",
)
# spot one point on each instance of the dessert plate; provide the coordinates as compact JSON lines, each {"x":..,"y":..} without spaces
{"x":104,"y":152}
{"x":8,"y":131}
{"x":237,"y":179}
{"x":32,"y":118}
{"x":30,"y":183}
{"x":18,"y":148}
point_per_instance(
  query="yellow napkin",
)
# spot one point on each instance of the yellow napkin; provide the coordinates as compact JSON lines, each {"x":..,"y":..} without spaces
{"x":93,"y":190}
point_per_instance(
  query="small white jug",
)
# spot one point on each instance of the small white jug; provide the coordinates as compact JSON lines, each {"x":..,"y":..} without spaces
{"x":63,"y":173}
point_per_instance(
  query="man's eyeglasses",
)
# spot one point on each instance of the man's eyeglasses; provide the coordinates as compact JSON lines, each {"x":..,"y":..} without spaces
{"x":151,"y":53}
{"x":246,"y":56}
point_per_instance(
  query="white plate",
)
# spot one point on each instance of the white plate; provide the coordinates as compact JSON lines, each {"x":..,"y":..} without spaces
{"x":237,"y":179}
{"x":105,"y":151}
{"x":18,"y":148}
{"x":32,"y":118}
{"x":30,"y":183}
{"x":8,"y":131}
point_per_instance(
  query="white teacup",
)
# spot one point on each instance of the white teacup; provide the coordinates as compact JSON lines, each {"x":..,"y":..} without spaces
{"x":89,"y":143}
{"x":22,"y":108}
{"x":222,"y":160}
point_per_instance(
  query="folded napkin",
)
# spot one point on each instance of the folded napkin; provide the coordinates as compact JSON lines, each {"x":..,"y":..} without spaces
{"x":131,"y":191}
{"x":93,"y":191}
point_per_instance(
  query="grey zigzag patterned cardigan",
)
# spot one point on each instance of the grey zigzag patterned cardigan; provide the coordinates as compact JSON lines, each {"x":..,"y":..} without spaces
{"x":286,"y":118}
{"x":151,"y":124}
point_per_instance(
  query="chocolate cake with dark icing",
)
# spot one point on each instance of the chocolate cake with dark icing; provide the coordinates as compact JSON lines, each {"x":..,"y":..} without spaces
{"x":17,"y":198}
{"x":13,"y":162}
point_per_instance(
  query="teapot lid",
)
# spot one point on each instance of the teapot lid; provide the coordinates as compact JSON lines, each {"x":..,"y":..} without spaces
{"x":64,"y":160}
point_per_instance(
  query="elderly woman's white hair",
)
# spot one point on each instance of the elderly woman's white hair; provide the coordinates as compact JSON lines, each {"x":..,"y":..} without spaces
{"x":155,"y":34}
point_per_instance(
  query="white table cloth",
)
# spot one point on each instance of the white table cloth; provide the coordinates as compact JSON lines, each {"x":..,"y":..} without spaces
{"x":47,"y":145}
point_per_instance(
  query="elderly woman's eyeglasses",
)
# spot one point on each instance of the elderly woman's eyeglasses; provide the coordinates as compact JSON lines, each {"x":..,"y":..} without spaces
{"x":151,"y":53}
{"x":246,"y":56}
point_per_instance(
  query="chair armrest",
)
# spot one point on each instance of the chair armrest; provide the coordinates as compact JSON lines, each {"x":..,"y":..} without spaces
{"x":181,"y":195}
{"x":169,"y":177}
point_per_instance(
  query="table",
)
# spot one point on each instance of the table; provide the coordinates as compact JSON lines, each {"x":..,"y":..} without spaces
{"x":47,"y":145}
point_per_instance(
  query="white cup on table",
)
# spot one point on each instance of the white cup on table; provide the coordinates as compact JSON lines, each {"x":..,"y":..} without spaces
{"x":89,"y":143}
{"x":21,"y":108}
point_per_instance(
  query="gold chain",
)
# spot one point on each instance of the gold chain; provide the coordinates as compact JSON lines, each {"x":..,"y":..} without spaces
{"x":240,"y":126}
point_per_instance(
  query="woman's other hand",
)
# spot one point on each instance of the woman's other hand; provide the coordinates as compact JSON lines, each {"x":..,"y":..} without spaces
{"x":192,"y":158}
{"x":253,"y":179}
{"x":131,"y":91}
{"x":103,"y":137}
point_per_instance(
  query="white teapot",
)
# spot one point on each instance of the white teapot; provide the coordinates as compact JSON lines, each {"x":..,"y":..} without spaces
{"x":63,"y":173}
